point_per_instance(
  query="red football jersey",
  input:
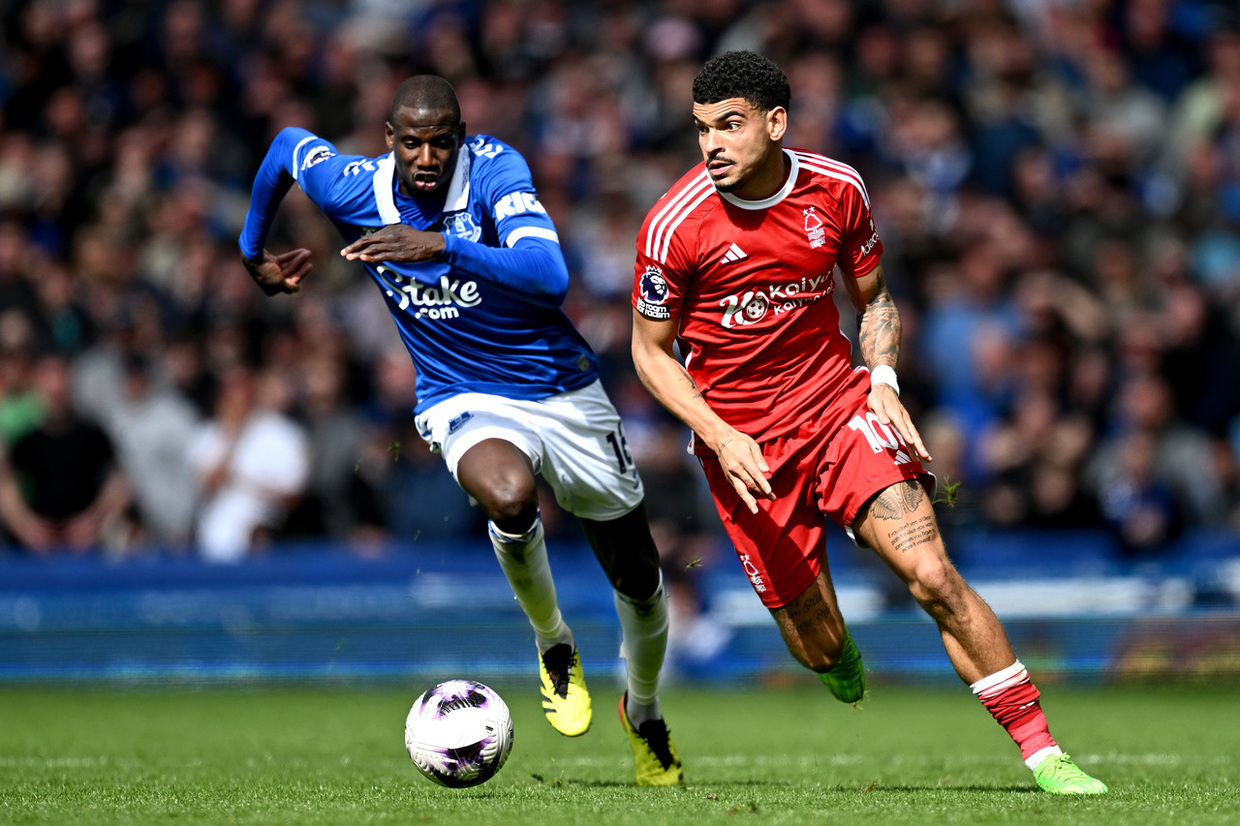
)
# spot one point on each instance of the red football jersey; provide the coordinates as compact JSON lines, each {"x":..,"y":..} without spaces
{"x":750,"y":283}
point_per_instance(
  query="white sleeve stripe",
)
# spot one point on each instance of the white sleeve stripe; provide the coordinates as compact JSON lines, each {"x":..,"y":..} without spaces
{"x":668,"y":213}
{"x":830,"y":173}
{"x":844,"y":178}
{"x":671,"y":230}
{"x":830,"y":163}
{"x":840,"y":172}
{"x":819,"y":162}
{"x":656,"y":226}
{"x":654,"y":239}
{"x":531,"y":232}
{"x":297,"y":149}
{"x":848,"y":170}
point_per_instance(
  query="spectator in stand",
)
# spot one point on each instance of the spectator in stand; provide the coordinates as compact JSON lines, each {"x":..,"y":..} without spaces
{"x":1136,"y":502}
{"x":150,"y":425}
{"x":1155,"y":462}
{"x":21,"y":408}
{"x":422,"y":500}
{"x":61,"y":488}
{"x":252,"y":464}
{"x":339,"y":501}
{"x":16,"y":286}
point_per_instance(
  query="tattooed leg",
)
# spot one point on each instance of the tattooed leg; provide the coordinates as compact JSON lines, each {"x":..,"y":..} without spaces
{"x":896,"y":509}
{"x":899,"y":525}
{"x":811,"y":625}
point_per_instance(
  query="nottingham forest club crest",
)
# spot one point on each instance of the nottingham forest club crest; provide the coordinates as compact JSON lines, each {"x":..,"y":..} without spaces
{"x":814,"y":230}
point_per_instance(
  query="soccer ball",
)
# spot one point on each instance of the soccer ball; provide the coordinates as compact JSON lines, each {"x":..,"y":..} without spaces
{"x":459,"y":733}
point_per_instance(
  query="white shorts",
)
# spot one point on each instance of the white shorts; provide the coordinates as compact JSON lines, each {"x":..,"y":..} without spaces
{"x":574,"y":440}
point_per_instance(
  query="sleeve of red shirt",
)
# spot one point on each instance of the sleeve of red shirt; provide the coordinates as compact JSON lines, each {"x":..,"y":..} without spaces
{"x":860,"y":248}
{"x":660,"y":278}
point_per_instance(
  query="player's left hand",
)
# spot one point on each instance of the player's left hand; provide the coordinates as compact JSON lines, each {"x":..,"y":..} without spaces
{"x":886,"y":405}
{"x":746,"y":468}
{"x":397,"y":243}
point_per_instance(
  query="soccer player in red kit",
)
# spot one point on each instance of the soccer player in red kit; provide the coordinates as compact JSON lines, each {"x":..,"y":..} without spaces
{"x":735,"y":262}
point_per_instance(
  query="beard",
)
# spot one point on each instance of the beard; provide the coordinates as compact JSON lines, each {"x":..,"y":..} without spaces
{"x":731,"y":181}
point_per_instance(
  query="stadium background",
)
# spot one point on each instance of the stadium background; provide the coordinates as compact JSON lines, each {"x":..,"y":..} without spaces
{"x":1057,"y":185}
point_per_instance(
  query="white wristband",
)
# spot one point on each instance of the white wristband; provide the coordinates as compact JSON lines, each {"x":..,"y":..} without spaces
{"x":884,"y":374}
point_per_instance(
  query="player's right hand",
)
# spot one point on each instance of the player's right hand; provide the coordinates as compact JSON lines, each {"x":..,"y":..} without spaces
{"x":746,"y":468}
{"x":277,"y":274}
{"x":396,"y":242}
{"x":885,"y":403}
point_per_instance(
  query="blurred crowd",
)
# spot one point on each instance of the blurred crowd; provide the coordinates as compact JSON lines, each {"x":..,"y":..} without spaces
{"x":1056,"y":183}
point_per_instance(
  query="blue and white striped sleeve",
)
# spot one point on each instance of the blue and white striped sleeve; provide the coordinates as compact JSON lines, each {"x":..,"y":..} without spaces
{"x":296,"y":155}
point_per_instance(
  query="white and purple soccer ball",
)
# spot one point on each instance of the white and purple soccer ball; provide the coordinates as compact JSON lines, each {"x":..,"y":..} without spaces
{"x":459,"y":733}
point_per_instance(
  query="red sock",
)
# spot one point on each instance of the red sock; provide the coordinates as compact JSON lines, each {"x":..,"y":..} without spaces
{"x":1012,"y":700}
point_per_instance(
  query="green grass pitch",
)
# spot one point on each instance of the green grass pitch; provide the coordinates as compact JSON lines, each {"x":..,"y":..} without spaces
{"x":789,"y":755}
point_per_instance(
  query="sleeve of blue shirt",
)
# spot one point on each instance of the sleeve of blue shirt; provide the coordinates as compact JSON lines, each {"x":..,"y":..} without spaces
{"x":530,"y":263}
{"x":300,"y":156}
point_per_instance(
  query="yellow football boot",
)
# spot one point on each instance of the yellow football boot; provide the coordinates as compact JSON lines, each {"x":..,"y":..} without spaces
{"x":566,"y":702}
{"x":654,"y":755}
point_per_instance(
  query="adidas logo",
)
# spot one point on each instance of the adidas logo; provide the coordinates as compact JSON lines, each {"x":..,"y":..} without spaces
{"x":734,"y":253}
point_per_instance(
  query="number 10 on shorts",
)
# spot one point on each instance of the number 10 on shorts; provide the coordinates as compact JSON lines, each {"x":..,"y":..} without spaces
{"x":880,"y":436}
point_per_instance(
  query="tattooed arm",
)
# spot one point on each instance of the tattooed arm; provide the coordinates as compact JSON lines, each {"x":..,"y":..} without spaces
{"x":878,"y":321}
{"x":670,"y":383}
{"x":878,"y":329}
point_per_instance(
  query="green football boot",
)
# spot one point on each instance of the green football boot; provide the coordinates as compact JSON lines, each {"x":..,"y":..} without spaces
{"x":1057,"y":774}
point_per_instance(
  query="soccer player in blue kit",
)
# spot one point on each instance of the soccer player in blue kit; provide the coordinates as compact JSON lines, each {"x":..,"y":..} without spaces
{"x":450,"y":228}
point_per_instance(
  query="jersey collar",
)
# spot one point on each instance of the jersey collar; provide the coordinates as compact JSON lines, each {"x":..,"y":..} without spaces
{"x":458,"y":187}
{"x":384,"y":183}
{"x":767,"y":203}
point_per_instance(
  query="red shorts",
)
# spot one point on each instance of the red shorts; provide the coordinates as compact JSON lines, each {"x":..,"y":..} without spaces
{"x":821,"y":468}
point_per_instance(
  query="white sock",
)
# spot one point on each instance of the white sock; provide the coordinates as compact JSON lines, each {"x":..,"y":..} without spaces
{"x":1040,"y":755}
{"x":1003,"y":678}
{"x":523,"y":559}
{"x":643,"y":624}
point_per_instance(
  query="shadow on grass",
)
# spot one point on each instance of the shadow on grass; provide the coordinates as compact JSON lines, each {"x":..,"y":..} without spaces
{"x":717,"y":785}
{"x":936,"y":788}
{"x":594,"y":784}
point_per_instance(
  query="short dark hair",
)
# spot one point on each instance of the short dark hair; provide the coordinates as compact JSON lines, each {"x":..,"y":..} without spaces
{"x":428,"y":92}
{"x":742,"y":74}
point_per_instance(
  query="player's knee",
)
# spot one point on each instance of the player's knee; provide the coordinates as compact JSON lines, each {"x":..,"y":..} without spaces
{"x":511,"y":502}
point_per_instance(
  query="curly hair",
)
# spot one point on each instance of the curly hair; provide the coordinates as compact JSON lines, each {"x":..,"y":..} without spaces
{"x":742,"y":74}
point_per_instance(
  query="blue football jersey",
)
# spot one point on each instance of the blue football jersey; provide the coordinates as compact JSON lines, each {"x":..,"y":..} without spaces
{"x":466,"y":331}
